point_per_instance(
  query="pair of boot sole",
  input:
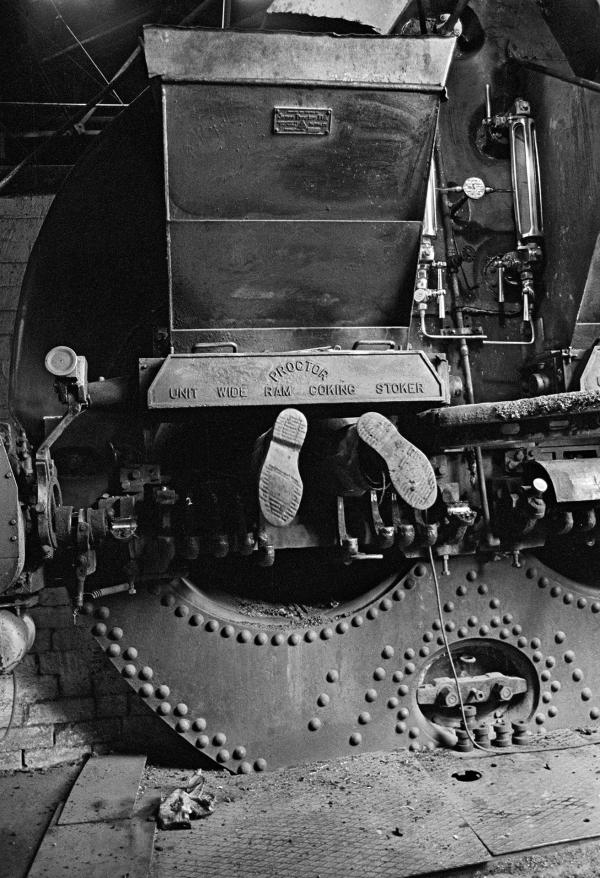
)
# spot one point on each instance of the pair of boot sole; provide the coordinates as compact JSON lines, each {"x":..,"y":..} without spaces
{"x":280,"y":485}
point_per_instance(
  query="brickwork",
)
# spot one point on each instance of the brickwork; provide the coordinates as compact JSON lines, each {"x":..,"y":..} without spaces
{"x":69,"y":700}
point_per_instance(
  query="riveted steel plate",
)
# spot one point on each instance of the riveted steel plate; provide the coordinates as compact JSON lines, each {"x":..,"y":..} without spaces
{"x":529,"y":800}
{"x":106,"y":789}
{"x":370,"y":817}
{"x":252,"y":692}
{"x":302,"y":120}
{"x":198,"y":380}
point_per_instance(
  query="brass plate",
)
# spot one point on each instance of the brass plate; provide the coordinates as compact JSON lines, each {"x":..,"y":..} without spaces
{"x":301,"y":120}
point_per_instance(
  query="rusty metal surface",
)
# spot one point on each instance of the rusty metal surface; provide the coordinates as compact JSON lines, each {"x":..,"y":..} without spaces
{"x":572,"y":481}
{"x":105,"y":790}
{"x":528,"y":800}
{"x":299,"y":338}
{"x":356,"y":669}
{"x":204,"y":55}
{"x":380,"y":15}
{"x":366,"y":817}
{"x":198,"y":380}
{"x":12,"y":528}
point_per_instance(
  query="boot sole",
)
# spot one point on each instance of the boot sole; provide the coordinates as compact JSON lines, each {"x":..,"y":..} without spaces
{"x":279,"y":485}
{"x":410,"y":471}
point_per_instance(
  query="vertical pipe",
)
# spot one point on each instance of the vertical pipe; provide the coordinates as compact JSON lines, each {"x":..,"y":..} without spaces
{"x":422,"y":17}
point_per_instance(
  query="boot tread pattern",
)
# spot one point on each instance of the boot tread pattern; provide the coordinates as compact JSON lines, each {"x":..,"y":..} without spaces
{"x":280,"y":486}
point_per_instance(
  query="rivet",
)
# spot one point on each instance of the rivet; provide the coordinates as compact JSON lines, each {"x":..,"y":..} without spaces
{"x":199,"y":724}
{"x":310,"y":636}
{"x":146,"y":672}
{"x":314,"y":724}
{"x":379,"y":674}
{"x":507,"y":618}
{"x":543,"y":582}
{"x":463,"y":632}
{"x":364,"y":717}
{"x":398,"y":676}
{"x":239,"y":753}
{"x":323,"y":699}
{"x":245,"y":768}
{"x":219,"y":739}
{"x":87,"y":609}
{"x":244,"y":636}
{"x":163,"y":691}
{"x":504,"y":633}
{"x":409,"y":654}
{"x":114,"y":650}
{"x":560,"y":637}
{"x":116,"y":634}
{"x":223,"y":756}
{"x":181,"y":709}
{"x":436,"y":625}
{"x":130,"y":653}
{"x":568,"y":598}
{"x":342,"y":627}
{"x":462,"y":590}
{"x":371,"y":695}
{"x":400,"y":728}
{"x":385,"y":604}
{"x":546,"y":697}
{"x":494,"y":604}
{"x":440,"y":641}
{"x":414,"y":732}
{"x":540,"y":718}
{"x":522,"y":642}
{"x":202,"y":742}
{"x":409,"y":583}
{"x":495,"y":621}
{"x":372,"y":613}
{"x":260,"y":765}
{"x":484,"y":630}
{"x":472,"y":621}
{"x":537,"y":656}
{"x":586,"y":694}
{"x":164,"y":708}
{"x":355,"y":739}
{"x":227,"y":631}
{"x":196,"y":620}
{"x":424,"y":651}
{"x":294,"y":639}
{"x":145,"y":690}
{"x":581,"y":603}
{"x":448,"y":607}
{"x":550,"y":661}
{"x":594,"y":713}
{"x":577,"y":675}
{"x":517,"y":629}
{"x":129,"y":671}
{"x":398,"y":595}
{"x":403,"y":689}
{"x":556,"y":591}
{"x":595,"y":608}
{"x":420,"y":570}
{"x":387,"y":652}
{"x":168,"y":600}
{"x":102,"y":613}
{"x":357,"y":621}
{"x":556,"y":686}
{"x":545,"y":676}
{"x":277,"y":639}
{"x":212,"y":625}
{"x":182,"y":725}
{"x":482,"y":589}
{"x":531,"y":573}
{"x":552,"y":711}
{"x":392,"y":702}
{"x":261,"y":638}
{"x":327,"y":633}
{"x":332,"y":676}
{"x":569,"y":656}
{"x":181,"y":611}
{"x":403,"y":713}
{"x":410,"y":668}
{"x":471,"y":575}
{"x":99,"y":629}
{"x":536,"y":643}
{"x":428,"y":636}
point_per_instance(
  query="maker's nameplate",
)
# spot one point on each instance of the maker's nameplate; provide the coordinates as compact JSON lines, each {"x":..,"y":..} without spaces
{"x":207,"y":380}
{"x":301,"y":120}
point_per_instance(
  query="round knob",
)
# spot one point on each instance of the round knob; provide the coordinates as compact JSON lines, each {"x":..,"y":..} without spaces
{"x":61,"y":361}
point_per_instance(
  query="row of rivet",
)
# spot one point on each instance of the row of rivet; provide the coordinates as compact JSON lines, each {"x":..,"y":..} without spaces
{"x":568,"y":597}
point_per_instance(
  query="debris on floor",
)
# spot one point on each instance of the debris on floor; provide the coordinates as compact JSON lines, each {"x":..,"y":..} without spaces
{"x":184,"y":804}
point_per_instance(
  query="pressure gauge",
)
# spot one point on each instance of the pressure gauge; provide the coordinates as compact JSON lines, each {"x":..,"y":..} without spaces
{"x":474,"y":188}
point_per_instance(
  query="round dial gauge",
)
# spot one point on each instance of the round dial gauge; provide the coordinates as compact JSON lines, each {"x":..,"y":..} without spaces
{"x":474,"y":187}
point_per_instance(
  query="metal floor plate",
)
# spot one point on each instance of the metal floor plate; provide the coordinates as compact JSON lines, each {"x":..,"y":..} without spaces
{"x":382,"y":815}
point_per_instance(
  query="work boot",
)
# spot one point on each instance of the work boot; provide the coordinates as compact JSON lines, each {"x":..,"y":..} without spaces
{"x":279,"y":482}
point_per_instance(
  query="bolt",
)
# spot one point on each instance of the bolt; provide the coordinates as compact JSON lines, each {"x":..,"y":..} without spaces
{"x":448,"y":697}
{"x":13,"y":521}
